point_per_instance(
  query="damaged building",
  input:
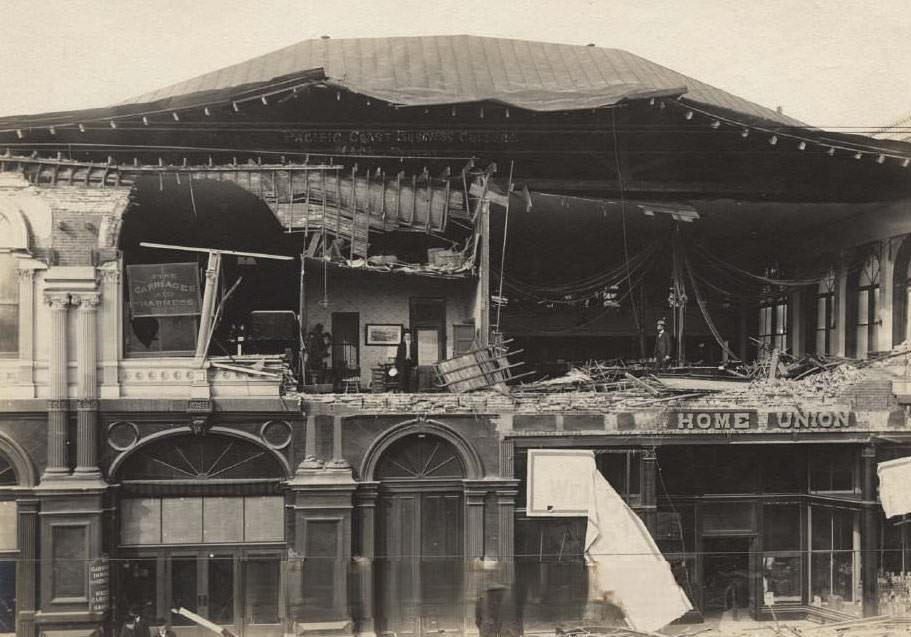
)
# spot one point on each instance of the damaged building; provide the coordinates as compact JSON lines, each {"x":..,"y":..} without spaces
{"x":276,"y":342}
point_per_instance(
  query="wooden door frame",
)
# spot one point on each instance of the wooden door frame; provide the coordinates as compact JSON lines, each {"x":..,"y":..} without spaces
{"x":417,"y":488}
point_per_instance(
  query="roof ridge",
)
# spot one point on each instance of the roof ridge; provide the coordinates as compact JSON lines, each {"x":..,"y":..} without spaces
{"x":623,"y":74}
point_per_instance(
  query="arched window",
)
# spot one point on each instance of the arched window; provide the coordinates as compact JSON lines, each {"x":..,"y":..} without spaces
{"x":201,"y":459}
{"x":9,"y":291}
{"x":420,"y":456}
{"x":867,"y":317}
{"x":826,"y":313}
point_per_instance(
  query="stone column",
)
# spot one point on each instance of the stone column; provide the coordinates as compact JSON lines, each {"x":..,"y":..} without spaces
{"x":58,"y":402}
{"x":869,"y":539}
{"x":365,"y":503}
{"x":648,"y":482}
{"x":310,"y":460}
{"x":87,"y":385}
{"x":27,"y":567}
{"x":338,"y":460}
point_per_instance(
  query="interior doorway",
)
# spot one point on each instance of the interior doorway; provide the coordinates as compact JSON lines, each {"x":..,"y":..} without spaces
{"x":726,"y":576}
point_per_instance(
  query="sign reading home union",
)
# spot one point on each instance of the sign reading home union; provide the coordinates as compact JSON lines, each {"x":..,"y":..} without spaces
{"x":713,"y":420}
{"x":742,"y":420}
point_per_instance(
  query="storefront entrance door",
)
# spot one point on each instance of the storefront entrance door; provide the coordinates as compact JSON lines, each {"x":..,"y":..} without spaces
{"x":419,"y":570}
{"x":728,"y":586}
{"x":234,"y":589}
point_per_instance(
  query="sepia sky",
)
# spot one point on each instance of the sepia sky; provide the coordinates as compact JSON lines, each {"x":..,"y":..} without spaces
{"x":830,"y":63}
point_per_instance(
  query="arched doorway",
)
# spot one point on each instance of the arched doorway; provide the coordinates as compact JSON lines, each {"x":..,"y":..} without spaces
{"x":420,"y":536}
{"x":201,"y":527}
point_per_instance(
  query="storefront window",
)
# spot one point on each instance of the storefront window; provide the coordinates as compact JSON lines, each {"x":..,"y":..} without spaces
{"x":8,"y":596}
{"x":262,"y":591}
{"x":137,"y":589}
{"x":621,"y":469}
{"x":163,"y":336}
{"x":675,"y":537}
{"x":832,"y":470}
{"x":832,"y":562}
{"x":781,"y":558}
{"x":550,"y":570}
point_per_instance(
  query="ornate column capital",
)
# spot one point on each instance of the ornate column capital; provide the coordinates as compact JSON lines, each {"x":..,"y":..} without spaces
{"x":26,"y":274}
{"x":57,"y":300}
{"x":109,"y":275}
{"x":87,"y":301}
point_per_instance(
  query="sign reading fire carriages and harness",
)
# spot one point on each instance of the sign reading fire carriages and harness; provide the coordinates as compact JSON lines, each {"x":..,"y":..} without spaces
{"x":163,"y":289}
{"x":717,"y":420}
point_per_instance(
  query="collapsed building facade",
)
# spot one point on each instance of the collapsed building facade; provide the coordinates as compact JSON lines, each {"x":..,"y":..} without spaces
{"x":210,"y":422}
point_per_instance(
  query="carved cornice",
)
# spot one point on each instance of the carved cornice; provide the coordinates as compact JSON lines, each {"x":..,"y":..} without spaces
{"x":109,"y":275}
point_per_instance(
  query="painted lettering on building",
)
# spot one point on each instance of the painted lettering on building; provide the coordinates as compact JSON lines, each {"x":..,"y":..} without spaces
{"x":810,"y":420}
{"x":712,"y":420}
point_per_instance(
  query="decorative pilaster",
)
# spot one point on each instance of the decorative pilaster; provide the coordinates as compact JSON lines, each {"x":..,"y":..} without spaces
{"x":111,"y":317}
{"x":506,"y":512}
{"x":507,"y":457}
{"x":58,"y":403}
{"x":473,"y":550}
{"x":87,"y":387}
{"x":26,"y":326}
{"x":869,"y":539}
{"x":27,"y":567}
{"x":648,"y":481}
{"x":365,"y":512}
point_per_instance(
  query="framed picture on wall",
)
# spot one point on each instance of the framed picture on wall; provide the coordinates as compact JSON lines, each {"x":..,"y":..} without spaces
{"x":384,"y":333}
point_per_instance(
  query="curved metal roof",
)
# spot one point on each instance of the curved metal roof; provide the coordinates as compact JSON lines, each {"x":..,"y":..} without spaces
{"x":450,"y":69}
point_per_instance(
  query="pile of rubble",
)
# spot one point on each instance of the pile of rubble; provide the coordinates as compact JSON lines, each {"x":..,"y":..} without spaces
{"x":828,"y":381}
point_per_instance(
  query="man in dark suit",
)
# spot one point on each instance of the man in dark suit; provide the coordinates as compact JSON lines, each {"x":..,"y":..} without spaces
{"x":664,"y":346}
{"x":406,"y":359}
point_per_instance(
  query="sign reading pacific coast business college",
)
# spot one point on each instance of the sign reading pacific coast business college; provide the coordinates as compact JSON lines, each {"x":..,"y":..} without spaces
{"x":164,"y":289}
{"x":742,"y":420}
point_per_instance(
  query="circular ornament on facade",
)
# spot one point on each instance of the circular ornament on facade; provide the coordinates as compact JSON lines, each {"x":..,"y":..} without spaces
{"x":122,"y":435}
{"x":276,"y":434}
